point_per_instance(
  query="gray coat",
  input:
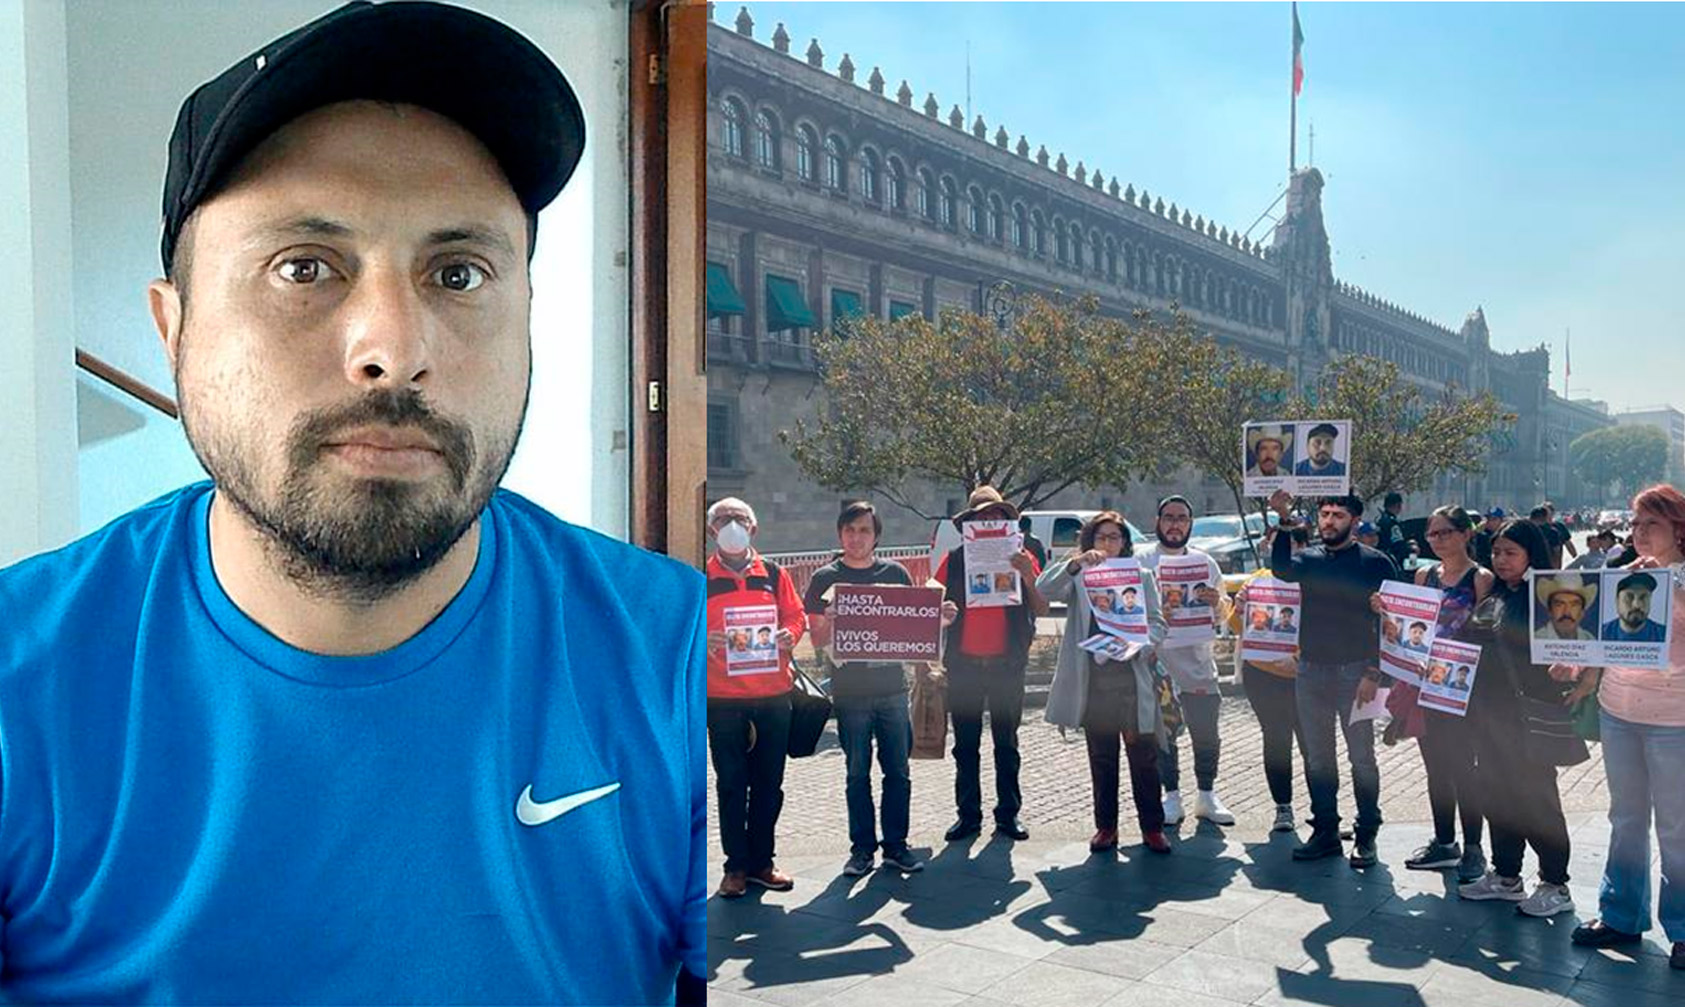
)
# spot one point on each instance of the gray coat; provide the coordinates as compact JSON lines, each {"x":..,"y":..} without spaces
{"x":1069,"y":693}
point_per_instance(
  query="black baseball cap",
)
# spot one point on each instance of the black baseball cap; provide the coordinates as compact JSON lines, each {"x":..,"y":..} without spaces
{"x":472,"y":69}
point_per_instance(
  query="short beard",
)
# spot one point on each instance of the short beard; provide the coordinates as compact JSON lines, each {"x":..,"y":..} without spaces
{"x":363,"y":546}
{"x":1338,"y":539}
{"x":1165,"y":538}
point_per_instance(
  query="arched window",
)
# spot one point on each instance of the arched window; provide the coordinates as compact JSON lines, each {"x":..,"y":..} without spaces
{"x":1111,"y":259}
{"x":1061,"y":241}
{"x":1020,"y":227}
{"x":836,"y":164}
{"x":948,"y":197}
{"x":807,"y":148}
{"x":974,"y":212}
{"x":734,"y":116}
{"x":1096,"y":252}
{"x":1076,"y":246}
{"x":927,"y":189}
{"x":894,"y":185}
{"x":766,"y":140}
{"x":1038,"y":233}
{"x":869,"y":175}
{"x":996,"y":221}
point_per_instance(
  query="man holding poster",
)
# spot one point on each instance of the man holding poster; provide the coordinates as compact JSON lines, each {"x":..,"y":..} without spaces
{"x":869,"y":699}
{"x":988,"y":647}
{"x":1184,"y":576}
{"x":748,"y":695}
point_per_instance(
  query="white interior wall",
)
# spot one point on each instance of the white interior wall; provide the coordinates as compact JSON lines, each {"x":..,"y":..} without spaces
{"x":129,"y":64}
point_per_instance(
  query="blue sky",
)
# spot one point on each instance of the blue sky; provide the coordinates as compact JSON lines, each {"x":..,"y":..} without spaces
{"x":1527,"y":158}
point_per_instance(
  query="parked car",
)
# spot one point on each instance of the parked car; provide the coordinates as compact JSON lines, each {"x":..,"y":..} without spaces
{"x":1221,"y":536}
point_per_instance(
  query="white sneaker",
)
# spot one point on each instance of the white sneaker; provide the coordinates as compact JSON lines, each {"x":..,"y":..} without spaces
{"x":1209,"y":806}
{"x":1173,"y":807}
{"x":1283,"y":818}
{"x":1493,"y":887}
{"x":1547,"y":900}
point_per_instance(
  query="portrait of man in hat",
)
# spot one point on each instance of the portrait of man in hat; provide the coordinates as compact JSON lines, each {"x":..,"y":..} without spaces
{"x":1632,"y":623}
{"x":1564,"y":600}
{"x":1269,"y":448}
{"x":1319,"y":460}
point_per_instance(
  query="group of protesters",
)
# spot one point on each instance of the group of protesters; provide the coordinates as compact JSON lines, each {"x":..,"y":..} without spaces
{"x":1493,"y":770}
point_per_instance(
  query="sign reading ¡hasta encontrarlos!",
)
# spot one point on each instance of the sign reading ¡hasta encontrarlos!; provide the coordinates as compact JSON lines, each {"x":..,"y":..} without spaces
{"x":872,"y":623}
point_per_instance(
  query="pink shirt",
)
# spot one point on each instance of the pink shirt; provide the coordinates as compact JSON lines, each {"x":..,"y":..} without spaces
{"x":1648,"y":696}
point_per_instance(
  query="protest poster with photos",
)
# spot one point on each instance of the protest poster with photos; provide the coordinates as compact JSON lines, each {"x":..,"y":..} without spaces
{"x":1615,"y":616}
{"x":1269,"y":628}
{"x":1304,"y":457}
{"x":885,"y":623}
{"x":1110,"y":648}
{"x":990,"y":581}
{"x":1188,"y":619}
{"x":1116,"y":598}
{"x":751,"y":640}
{"x":1409,"y":621}
{"x":1449,"y":680}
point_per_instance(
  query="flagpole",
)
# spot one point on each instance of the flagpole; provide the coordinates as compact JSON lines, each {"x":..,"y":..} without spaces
{"x":1293,"y":105}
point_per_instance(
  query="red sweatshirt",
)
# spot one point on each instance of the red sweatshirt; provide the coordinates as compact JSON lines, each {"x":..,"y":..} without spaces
{"x":729,"y":589}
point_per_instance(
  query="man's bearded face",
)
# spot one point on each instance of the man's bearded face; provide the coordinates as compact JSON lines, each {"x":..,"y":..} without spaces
{"x":1633,"y":604}
{"x":1322,"y":450}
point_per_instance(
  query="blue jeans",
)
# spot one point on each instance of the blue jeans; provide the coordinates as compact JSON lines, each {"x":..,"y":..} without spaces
{"x":1325,"y":694}
{"x":1643,"y":762}
{"x":860,"y":720}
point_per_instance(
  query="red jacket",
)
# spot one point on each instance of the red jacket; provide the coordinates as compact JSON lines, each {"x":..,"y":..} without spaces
{"x":754,"y":586}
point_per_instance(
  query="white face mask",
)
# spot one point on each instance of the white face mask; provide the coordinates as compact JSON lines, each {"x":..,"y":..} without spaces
{"x":733,"y":538}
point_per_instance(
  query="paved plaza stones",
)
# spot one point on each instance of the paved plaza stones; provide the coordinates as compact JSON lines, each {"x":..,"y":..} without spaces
{"x":1228,"y":918}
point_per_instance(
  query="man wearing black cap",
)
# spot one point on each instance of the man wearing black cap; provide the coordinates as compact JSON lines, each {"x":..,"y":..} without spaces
{"x":348,"y":723}
{"x":1632,"y":620}
{"x":1319,"y":457}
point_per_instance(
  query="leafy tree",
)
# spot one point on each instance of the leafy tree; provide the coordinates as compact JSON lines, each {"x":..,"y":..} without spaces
{"x":1062,"y":397}
{"x":1402,"y":437}
{"x":1634,"y":456}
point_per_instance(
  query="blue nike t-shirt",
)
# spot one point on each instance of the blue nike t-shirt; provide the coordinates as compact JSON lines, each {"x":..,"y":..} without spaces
{"x":193,"y":811}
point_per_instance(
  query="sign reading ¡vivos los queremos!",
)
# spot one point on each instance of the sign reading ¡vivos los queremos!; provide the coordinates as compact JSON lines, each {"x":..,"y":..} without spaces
{"x":873,"y":623}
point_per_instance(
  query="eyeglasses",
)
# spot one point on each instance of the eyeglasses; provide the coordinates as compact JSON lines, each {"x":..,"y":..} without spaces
{"x":1175,"y":519}
{"x":1109,"y":537}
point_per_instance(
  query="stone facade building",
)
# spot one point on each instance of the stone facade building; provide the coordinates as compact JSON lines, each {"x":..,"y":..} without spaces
{"x":830,"y":193}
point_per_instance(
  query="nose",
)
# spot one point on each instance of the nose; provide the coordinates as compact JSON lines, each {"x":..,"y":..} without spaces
{"x":386,"y":331}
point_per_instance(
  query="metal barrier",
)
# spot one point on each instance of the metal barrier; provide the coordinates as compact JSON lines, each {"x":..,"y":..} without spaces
{"x":800,"y":565}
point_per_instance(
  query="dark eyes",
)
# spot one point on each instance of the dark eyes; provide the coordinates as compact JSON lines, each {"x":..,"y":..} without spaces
{"x":458,"y":277}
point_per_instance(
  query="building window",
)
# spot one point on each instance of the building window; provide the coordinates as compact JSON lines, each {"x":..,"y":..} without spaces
{"x":766,"y":141}
{"x":1019,"y":228}
{"x":869,"y":175}
{"x":1038,"y":233}
{"x":893,"y":186}
{"x":974,"y":212}
{"x":901,"y":309}
{"x":722,"y":436}
{"x":733,"y":127}
{"x":807,"y":145}
{"x":1061,"y":244}
{"x":927,"y":184}
{"x":995,"y":222}
{"x":836,"y":164}
{"x":786,"y":307}
{"x":948,"y":199}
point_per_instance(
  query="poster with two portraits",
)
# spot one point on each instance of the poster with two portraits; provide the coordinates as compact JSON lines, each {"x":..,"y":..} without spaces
{"x":1307,"y":458}
{"x":1601,"y":617}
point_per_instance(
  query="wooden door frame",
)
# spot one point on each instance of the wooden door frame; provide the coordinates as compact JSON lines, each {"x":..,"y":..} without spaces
{"x":667,"y":98}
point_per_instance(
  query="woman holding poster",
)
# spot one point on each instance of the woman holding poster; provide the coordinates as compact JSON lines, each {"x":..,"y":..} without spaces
{"x":1643,"y":732}
{"x":1515,"y":770}
{"x":1447,"y":741}
{"x":1109,"y":699}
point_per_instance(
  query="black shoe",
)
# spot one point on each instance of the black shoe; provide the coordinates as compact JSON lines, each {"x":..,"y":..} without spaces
{"x":1319,"y":845}
{"x":962,"y":829}
{"x":1012,"y":829}
{"x":1363,"y":853}
{"x":1677,"y":958}
{"x":1598,"y":934}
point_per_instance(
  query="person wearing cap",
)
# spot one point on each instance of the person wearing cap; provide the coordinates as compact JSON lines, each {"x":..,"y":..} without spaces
{"x":1368,"y":534}
{"x":1482,"y":542}
{"x":1390,"y":532}
{"x":1339,"y":665}
{"x":348,"y":723}
{"x":986,"y":653}
{"x":1319,"y":457}
{"x":1565,"y":600}
{"x":1192,"y":670}
{"x":1632,"y":622}
{"x":1268,"y":445}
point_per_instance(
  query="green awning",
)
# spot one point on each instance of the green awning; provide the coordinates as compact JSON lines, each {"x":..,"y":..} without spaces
{"x":901,"y":309}
{"x":723,"y":298}
{"x":845,"y":304}
{"x":785,"y":306}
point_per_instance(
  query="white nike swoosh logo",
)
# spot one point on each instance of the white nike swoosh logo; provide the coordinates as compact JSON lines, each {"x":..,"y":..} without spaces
{"x":530,"y":812}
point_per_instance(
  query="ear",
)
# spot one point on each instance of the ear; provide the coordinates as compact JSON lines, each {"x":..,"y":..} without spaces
{"x":164,"y":301}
